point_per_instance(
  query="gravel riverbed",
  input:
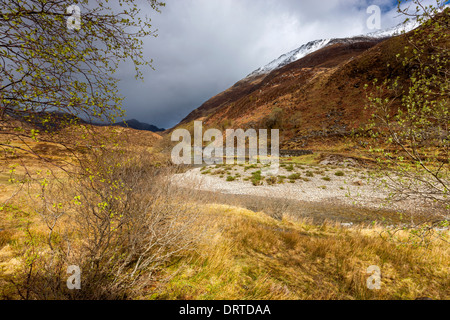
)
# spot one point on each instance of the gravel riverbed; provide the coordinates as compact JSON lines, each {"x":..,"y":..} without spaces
{"x":315,"y":185}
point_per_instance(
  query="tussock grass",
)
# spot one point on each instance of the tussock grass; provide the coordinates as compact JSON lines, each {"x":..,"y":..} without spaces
{"x":252,"y":256}
{"x":309,"y":174}
{"x":137,"y":227}
{"x":295,"y":176}
{"x":249,"y":255}
{"x":257,"y":178}
{"x":259,"y":255}
{"x":310,"y":159}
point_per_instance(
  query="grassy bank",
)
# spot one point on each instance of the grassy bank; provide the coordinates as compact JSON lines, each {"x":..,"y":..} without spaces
{"x":249,"y":255}
{"x":252,"y":256}
{"x":237,"y":253}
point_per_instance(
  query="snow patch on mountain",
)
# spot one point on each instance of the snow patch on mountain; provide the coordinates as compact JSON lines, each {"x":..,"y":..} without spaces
{"x":292,"y":56}
{"x":394,"y":31}
{"x":316,"y":45}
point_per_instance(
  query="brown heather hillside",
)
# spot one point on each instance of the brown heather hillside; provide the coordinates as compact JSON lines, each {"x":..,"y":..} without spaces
{"x":62,"y":146}
{"x":322,"y":92}
{"x":239,"y":90}
{"x":314,"y":101}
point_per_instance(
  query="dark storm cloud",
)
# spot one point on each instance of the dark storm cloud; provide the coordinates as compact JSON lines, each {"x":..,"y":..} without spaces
{"x":205,"y":46}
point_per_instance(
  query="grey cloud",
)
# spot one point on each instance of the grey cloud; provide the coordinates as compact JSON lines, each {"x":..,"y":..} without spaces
{"x":205,"y":46}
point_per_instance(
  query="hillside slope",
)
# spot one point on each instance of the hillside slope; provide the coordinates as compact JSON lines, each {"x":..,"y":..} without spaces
{"x":319,"y":95}
{"x":137,"y":125}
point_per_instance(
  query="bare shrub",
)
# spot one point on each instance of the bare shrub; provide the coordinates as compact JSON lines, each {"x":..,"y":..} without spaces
{"x":120,"y":222}
{"x":274,"y":207}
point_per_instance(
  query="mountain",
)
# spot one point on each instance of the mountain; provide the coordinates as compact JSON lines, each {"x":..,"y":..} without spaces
{"x":135,"y":124}
{"x":313,"y":46}
{"x":313,"y":93}
{"x":396,"y":30}
{"x":258,"y":78}
{"x":291,"y":56}
{"x":54,"y":120}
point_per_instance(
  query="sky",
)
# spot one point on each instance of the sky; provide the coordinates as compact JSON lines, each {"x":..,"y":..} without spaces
{"x":205,"y":46}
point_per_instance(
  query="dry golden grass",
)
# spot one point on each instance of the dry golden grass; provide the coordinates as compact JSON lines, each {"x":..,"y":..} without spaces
{"x":252,"y":256}
{"x":248,"y":255}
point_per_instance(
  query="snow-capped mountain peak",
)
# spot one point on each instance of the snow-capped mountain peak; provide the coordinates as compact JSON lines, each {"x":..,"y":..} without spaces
{"x":394,"y":31}
{"x":292,"y":56}
{"x":316,"y":45}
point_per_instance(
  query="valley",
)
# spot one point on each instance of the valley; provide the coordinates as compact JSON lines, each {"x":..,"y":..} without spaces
{"x":361,"y":128}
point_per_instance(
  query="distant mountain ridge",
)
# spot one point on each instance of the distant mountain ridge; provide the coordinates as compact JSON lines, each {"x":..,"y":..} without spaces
{"x":137,"y":125}
{"x":55,"y":120}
